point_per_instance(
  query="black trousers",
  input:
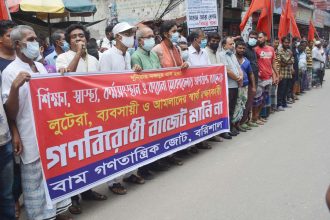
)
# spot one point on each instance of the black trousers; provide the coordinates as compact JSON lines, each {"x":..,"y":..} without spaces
{"x":232,"y":97}
{"x":282,"y":91}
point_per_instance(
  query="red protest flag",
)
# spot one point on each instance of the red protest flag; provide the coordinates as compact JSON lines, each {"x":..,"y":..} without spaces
{"x":3,"y":11}
{"x":288,"y":23}
{"x":311,"y":31}
{"x":255,"y":6}
{"x":265,"y":19}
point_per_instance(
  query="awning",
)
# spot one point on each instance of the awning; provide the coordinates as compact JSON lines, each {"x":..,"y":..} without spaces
{"x":53,"y":6}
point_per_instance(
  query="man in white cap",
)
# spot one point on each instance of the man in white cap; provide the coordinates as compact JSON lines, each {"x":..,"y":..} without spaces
{"x":116,"y":59}
{"x":318,"y":63}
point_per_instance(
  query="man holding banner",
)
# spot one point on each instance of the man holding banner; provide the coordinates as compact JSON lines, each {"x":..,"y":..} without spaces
{"x":78,"y":60}
{"x":15,"y":98}
{"x":118,"y":59}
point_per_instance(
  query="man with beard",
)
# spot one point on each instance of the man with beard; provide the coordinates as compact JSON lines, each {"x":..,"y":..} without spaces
{"x":267,"y":75}
{"x":251,"y":55}
{"x":286,"y":60}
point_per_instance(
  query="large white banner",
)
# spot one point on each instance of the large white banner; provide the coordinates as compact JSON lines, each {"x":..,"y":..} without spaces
{"x":202,"y":14}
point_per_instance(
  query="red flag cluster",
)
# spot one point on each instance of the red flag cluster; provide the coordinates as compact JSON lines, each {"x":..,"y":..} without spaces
{"x":3,"y":11}
{"x":311,"y":31}
{"x":288,"y":23}
{"x":266,"y":15}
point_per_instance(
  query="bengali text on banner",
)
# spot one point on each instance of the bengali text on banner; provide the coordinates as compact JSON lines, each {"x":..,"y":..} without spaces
{"x":93,"y":128}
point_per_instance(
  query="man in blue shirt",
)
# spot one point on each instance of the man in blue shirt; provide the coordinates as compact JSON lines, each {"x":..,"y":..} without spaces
{"x":248,"y":78}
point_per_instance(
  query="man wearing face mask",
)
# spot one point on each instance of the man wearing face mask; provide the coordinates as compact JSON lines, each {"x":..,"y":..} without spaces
{"x":184,"y":50}
{"x":198,"y":57}
{"x":118,"y":58}
{"x":235,"y":79}
{"x":61,"y":46}
{"x":143,"y":56}
{"x":213,"y":41}
{"x":267,"y":75}
{"x":147,"y":59}
{"x":251,"y":55}
{"x":197,"y":53}
{"x":15,"y":99}
{"x":167,"y":51}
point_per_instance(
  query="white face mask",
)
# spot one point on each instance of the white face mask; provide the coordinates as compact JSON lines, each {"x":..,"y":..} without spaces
{"x":127,"y":41}
{"x":185,"y":55}
{"x":31,"y":50}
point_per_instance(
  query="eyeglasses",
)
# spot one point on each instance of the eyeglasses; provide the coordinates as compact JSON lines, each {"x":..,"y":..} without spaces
{"x":148,"y":37}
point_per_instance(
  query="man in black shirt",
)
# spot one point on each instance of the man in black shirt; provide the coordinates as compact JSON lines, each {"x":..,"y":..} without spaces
{"x":251,"y":55}
{"x":7,"y":52}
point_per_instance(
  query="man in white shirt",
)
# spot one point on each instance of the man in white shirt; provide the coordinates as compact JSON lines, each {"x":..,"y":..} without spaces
{"x":15,"y":97}
{"x":78,"y":60}
{"x":118,"y":58}
{"x":318,"y":63}
{"x":197,"y":53}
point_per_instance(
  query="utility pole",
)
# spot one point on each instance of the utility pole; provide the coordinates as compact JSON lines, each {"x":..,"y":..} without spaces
{"x":220,"y":16}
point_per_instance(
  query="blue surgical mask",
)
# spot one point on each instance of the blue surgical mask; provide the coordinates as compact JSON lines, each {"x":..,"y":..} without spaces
{"x":31,"y":50}
{"x":65,"y":46}
{"x":252,"y":42}
{"x":175,"y":37}
{"x":203,"y":43}
{"x":131,"y":50}
{"x":185,"y":55}
{"x":148,"y":44}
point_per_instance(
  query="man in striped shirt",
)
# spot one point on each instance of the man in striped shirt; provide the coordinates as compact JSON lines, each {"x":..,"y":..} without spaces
{"x":309,"y":63}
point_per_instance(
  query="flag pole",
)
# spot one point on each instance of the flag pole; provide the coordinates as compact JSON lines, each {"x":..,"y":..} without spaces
{"x":7,"y":8}
{"x":272,"y":17}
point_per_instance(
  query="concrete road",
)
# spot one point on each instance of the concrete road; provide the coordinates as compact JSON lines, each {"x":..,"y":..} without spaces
{"x":279,"y":171}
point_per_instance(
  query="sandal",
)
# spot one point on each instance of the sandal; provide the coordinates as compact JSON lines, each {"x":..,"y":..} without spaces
{"x":118,"y":189}
{"x":203,"y":145}
{"x":94,"y":196}
{"x":193,"y":150}
{"x":258,"y":122}
{"x":75,"y":208}
{"x":134,"y":179}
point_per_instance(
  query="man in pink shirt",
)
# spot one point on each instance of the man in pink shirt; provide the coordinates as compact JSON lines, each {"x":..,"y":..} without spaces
{"x":267,"y":75}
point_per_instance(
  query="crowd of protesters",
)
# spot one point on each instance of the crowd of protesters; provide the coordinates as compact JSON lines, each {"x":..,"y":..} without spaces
{"x":262,"y":79}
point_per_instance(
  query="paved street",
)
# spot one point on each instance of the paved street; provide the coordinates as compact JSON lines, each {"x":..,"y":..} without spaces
{"x":276,"y":172}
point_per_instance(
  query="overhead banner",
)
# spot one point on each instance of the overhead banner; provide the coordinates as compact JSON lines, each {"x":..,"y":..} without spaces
{"x":202,"y":14}
{"x":93,"y":128}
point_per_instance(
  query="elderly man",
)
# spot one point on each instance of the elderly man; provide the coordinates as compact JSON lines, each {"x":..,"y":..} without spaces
{"x":77,"y":60}
{"x":115,"y":59}
{"x":235,"y":79}
{"x":143,"y":56}
{"x":147,"y":59}
{"x":61,"y":46}
{"x":15,"y":98}
{"x":318,"y":63}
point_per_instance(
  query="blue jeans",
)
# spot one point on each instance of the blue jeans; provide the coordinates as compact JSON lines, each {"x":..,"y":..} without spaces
{"x":7,"y":204}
